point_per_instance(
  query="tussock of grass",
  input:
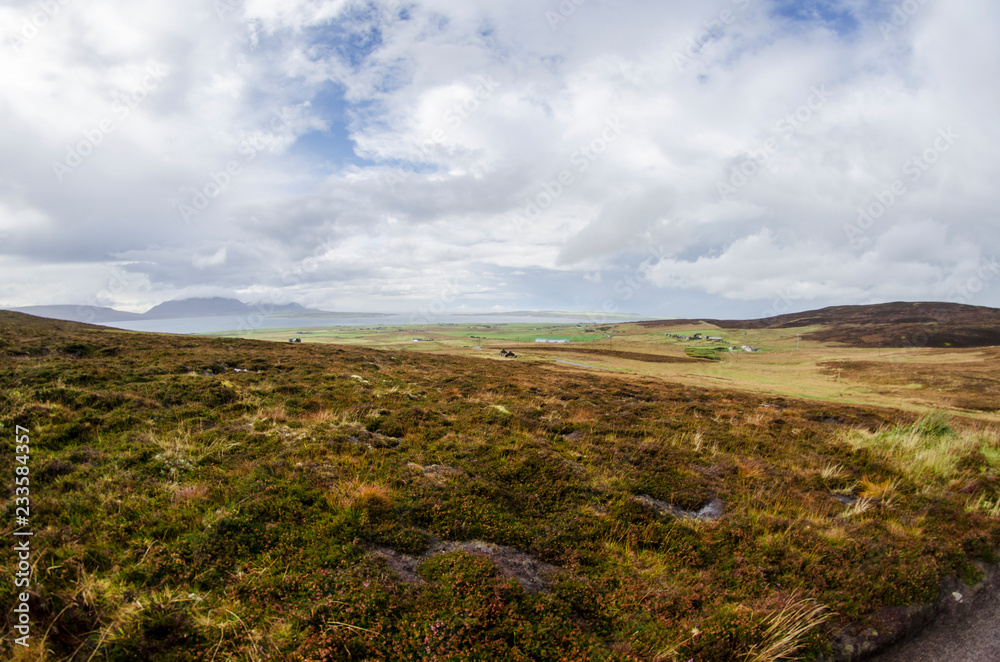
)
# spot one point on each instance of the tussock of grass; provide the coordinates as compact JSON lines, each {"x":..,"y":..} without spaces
{"x":930,"y":449}
{"x":787,"y":629}
{"x":831,"y":472}
{"x":859,"y":507}
{"x":985,"y":505}
{"x":883,"y":490}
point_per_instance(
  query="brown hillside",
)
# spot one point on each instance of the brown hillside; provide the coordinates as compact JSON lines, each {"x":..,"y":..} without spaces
{"x":900,"y":324}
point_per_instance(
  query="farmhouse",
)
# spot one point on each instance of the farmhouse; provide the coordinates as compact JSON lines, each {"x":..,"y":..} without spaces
{"x":552,"y":340}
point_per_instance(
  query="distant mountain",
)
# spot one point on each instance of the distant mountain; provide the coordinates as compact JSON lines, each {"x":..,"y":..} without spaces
{"x":199,"y":307}
{"x":899,"y":324}
{"x":180,"y":308}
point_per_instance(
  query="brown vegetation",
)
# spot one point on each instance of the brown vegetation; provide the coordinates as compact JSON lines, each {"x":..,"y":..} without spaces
{"x":901,"y":324}
{"x":187,"y":511}
{"x":968,"y":381}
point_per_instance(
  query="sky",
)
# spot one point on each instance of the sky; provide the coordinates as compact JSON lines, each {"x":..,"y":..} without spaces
{"x":721,"y":158}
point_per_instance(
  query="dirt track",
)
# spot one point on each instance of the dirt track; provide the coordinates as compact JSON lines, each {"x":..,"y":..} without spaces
{"x":969,"y":634}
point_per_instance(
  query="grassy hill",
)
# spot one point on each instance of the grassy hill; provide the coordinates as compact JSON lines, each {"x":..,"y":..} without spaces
{"x":901,"y":324}
{"x":218,"y":498}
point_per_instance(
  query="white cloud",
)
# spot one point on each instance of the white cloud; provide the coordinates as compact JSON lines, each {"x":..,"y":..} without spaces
{"x":395,"y":144}
{"x":216,"y":259}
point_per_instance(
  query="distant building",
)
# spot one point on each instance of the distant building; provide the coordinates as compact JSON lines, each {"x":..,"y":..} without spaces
{"x":748,"y":348}
{"x":696,"y":336}
{"x":552,"y":340}
{"x":421,"y":340}
{"x":715,"y":339}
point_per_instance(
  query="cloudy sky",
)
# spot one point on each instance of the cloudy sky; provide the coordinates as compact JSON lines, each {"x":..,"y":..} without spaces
{"x":669,"y":158}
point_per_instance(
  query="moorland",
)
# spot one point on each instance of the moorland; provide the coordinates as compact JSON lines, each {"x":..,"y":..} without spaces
{"x":633,"y":494}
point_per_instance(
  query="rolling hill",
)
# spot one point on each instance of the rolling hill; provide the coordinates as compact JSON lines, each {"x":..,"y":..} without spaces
{"x":899,"y":324}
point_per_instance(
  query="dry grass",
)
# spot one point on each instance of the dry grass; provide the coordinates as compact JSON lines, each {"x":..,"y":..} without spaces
{"x":363,"y":495}
{"x":189,"y":492}
{"x":930,"y":450}
{"x":835,"y":533}
{"x":883,"y":490}
{"x":749,"y":468}
{"x":787,"y":630}
{"x":985,"y":505}
{"x":181,"y":448}
{"x":903,"y":530}
{"x":321,"y":417}
{"x":832,"y":472}
{"x":276,"y":413}
{"x":859,"y":507}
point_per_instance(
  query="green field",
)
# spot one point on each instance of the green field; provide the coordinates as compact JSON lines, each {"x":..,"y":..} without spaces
{"x":450,"y":336}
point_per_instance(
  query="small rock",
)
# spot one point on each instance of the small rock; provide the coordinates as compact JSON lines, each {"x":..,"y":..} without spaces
{"x":710,"y":511}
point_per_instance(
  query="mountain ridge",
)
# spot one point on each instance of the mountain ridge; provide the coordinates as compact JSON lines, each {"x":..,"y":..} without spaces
{"x":174,"y":309}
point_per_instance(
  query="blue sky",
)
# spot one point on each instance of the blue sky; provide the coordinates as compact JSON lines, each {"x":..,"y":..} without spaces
{"x":722,"y":158}
{"x":329,"y":149}
{"x":841,"y":18}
